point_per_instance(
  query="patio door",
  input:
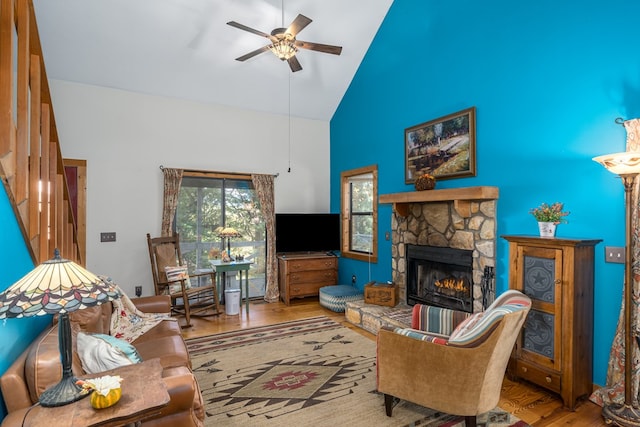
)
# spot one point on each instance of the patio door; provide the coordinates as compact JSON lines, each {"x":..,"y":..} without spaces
{"x":207,"y":203}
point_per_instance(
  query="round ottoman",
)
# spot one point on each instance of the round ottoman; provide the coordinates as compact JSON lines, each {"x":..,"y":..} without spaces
{"x":335,"y":298}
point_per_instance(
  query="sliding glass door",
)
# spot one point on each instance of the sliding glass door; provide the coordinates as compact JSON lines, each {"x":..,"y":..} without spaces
{"x":206,"y":204}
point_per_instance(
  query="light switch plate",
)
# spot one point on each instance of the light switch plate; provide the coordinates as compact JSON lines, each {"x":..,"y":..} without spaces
{"x":108,"y":237}
{"x":614,"y":254}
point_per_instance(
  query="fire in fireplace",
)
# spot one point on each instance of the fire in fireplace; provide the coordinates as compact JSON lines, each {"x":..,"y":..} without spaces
{"x":440,"y":276}
{"x":451,"y":286}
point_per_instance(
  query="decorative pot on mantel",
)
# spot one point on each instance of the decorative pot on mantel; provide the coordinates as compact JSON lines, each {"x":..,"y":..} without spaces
{"x":425,"y":182}
{"x":547,"y":229}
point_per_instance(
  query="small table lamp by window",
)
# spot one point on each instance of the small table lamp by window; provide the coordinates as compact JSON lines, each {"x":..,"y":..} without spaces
{"x":627,"y":165}
{"x":228,"y":233}
{"x":57,"y":286}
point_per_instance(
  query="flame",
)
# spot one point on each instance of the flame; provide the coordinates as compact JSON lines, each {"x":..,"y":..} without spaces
{"x":451,"y":283}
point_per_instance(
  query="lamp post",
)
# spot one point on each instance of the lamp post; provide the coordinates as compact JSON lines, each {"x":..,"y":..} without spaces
{"x":627,"y":165}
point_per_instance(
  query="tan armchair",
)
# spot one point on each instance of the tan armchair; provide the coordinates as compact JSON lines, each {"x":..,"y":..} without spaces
{"x":460,"y":373}
{"x":186,"y":300}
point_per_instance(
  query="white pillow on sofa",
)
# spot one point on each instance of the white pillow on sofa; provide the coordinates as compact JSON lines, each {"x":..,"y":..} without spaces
{"x":100,"y":352}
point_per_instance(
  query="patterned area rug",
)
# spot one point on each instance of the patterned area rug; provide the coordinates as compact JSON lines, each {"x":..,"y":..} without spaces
{"x":302,"y":373}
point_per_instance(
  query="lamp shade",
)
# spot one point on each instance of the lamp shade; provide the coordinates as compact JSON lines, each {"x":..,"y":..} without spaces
{"x":228,"y":232}
{"x":55,"y":286}
{"x":624,"y":163}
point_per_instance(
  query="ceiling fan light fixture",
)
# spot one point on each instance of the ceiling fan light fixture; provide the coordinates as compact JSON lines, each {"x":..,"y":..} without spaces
{"x":284,"y":44}
{"x":283,"y":49}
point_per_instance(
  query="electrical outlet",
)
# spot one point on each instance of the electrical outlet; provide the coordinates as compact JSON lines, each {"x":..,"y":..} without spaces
{"x":614,"y":254}
{"x":353,"y":279}
{"x":138,"y":291}
{"x":108,"y":237}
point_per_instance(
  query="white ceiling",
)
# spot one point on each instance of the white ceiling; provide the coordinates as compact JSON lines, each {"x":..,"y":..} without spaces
{"x":184,"y":49}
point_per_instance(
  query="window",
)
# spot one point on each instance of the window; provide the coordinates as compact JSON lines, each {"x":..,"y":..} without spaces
{"x":209,"y":201}
{"x":360,"y":213}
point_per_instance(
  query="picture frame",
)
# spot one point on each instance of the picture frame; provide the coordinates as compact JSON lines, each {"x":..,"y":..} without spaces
{"x":444,"y":147}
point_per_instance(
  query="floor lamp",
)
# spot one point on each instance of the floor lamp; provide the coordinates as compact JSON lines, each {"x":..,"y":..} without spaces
{"x":627,"y":165}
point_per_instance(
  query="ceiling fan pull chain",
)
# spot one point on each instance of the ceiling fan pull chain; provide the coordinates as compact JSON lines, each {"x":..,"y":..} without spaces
{"x":289,"y":124}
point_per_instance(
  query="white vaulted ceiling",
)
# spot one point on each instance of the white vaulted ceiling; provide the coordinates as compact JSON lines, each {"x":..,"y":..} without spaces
{"x":184,"y":49}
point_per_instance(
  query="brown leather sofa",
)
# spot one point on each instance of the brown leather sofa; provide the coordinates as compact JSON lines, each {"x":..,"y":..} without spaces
{"x":39,"y":367}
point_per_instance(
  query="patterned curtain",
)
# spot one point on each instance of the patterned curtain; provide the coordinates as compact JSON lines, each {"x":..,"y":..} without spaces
{"x":172,"y":181}
{"x":264,"y":187}
{"x":613,"y":392}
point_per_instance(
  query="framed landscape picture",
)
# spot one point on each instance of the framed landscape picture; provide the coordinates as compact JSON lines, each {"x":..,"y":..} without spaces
{"x":444,"y":147}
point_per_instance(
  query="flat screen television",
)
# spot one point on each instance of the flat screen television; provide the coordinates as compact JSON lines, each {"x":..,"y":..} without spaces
{"x":307,"y":232}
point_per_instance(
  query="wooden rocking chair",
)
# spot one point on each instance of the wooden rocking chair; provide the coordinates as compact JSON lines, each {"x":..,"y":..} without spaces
{"x":186,"y":299}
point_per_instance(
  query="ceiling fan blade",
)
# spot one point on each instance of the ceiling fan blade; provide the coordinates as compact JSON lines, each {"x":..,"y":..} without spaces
{"x":298,"y":24}
{"x":251,"y":30}
{"x":325,"y":48}
{"x":294,"y":64}
{"x":253,"y":53}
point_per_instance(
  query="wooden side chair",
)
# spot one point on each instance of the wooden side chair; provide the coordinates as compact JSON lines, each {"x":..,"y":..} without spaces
{"x":170,"y":277}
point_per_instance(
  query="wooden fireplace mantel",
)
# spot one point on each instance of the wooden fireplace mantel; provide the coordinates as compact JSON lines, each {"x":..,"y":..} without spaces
{"x":461,"y":198}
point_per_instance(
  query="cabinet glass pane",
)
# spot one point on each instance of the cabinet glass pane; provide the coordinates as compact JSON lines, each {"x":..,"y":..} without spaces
{"x":538,"y":333}
{"x":539,"y":277}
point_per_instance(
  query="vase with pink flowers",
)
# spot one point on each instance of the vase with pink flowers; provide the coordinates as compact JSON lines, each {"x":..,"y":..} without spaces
{"x":548,"y":217}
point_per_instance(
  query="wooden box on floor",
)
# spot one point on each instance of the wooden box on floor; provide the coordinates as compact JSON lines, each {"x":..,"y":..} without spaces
{"x":381,"y":294}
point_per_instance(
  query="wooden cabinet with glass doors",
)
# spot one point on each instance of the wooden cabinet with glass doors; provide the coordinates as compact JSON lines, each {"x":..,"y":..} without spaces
{"x":555,"y":348}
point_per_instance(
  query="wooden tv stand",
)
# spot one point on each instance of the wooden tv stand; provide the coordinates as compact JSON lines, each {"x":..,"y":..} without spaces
{"x":303,"y":274}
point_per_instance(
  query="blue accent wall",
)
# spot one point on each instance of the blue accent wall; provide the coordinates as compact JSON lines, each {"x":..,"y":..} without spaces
{"x":15,"y":262}
{"x":548,"y":79}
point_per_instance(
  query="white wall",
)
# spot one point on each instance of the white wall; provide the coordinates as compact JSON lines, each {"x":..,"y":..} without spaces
{"x":126,"y":136}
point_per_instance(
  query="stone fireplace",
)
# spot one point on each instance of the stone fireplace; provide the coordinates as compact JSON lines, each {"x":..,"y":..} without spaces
{"x":461,"y":225}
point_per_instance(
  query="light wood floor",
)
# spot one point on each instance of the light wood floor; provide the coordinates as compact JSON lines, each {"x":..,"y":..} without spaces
{"x":527,"y":401}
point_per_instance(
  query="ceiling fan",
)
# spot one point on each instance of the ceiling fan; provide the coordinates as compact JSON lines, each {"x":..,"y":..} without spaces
{"x":284,"y":43}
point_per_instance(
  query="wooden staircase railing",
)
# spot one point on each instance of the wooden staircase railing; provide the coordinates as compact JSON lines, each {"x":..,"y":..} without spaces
{"x":31,"y":162}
